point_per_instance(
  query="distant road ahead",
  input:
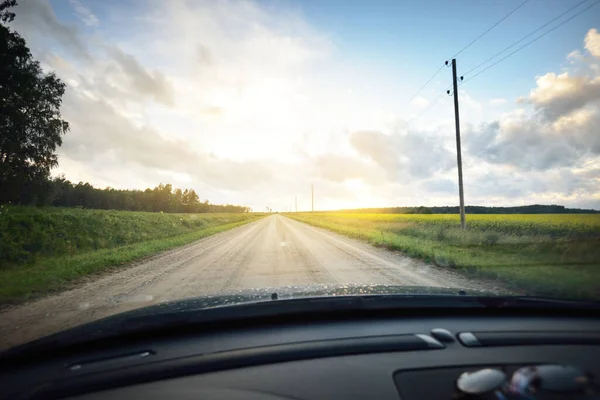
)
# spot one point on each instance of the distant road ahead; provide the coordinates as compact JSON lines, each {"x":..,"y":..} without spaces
{"x":271,"y":252}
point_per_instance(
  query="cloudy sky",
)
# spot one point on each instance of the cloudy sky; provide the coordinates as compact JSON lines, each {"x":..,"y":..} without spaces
{"x":249,"y":102}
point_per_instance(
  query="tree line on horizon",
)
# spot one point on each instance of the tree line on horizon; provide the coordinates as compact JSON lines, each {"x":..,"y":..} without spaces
{"x":529,"y":209}
{"x":60,"y":192}
{"x":165,"y":198}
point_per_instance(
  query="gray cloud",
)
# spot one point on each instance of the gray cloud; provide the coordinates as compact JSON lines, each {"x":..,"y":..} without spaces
{"x":36,"y":17}
{"x":204,"y":54}
{"x":400,"y":155}
{"x":336,"y":168}
{"x":560,"y":95}
{"x":84,"y":13}
{"x":123,"y":78}
{"x":534,"y":144}
{"x":143,"y":82}
{"x":562,"y":132}
{"x":502,"y":183}
{"x":507,"y":183}
{"x":514,"y":184}
{"x":440,"y":185}
{"x":100,"y":133}
{"x":377,"y":147}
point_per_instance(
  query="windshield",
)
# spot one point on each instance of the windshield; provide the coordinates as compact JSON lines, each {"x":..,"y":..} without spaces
{"x":157,"y":151}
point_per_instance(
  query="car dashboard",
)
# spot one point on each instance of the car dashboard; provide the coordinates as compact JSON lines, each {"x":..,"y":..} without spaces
{"x":392,"y":356}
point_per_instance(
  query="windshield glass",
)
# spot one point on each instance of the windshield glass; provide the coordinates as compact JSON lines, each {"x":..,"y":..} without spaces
{"x":156,"y":151}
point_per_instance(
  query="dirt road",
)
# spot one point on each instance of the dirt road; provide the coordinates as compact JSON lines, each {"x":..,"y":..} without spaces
{"x":272,"y":252}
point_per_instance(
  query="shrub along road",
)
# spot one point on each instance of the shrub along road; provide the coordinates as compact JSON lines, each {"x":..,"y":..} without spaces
{"x":47,"y":249}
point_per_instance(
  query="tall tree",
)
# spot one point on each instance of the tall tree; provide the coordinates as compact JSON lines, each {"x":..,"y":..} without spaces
{"x":30,"y":119}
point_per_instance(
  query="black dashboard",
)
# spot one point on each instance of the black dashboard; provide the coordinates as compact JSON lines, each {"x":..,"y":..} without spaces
{"x":404,"y":356}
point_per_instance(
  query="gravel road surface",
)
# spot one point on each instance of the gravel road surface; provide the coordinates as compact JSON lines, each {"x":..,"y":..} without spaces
{"x":271,"y":252}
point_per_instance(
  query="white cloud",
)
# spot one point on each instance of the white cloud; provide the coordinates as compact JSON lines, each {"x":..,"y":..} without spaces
{"x":37,"y":21}
{"x":575,"y":56}
{"x":403,"y":156}
{"x":592,"y":42}
{"x":251,"y":107}
{"x":84,"y":13}
{"x":558,"y":95}
{"x":419,"y":102}
{"x":139,"y":80}
{"x":468,"y":101}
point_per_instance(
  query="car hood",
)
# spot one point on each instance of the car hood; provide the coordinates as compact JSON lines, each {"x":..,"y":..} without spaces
{"x":297,"y":292}
{"x":235,"y":305}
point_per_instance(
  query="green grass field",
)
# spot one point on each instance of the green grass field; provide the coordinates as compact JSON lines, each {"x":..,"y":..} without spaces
{"x":46,"y":249}
{"x":542,"y":254}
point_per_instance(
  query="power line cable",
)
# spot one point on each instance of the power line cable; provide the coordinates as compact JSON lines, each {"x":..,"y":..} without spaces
{"x":532,"y":41}
{"x":467,"y":46}
{"x":491,"y":27}
{"x":528,"y":35}
{"x":426,"y":83}
{"x":429,"y":107}
{"x":460,"y":51}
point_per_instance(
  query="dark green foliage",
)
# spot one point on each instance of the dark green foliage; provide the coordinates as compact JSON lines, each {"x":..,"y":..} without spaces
{"x":161,"y":198}
{"x":30,"y":120}
{"x":5,"y":15}
{"x":29,"y":233}
{"x":60,"y":243}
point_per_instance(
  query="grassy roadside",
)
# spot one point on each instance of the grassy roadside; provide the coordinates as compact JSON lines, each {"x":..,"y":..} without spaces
{"x":557,"y":256}
{"x":45,"y":273}
{"x":28,"y":234}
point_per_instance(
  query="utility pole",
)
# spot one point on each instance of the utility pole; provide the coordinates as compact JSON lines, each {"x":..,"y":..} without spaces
{"x":296,"y":203}
{"x":463,"y":221}
{"x":312,"y":197}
